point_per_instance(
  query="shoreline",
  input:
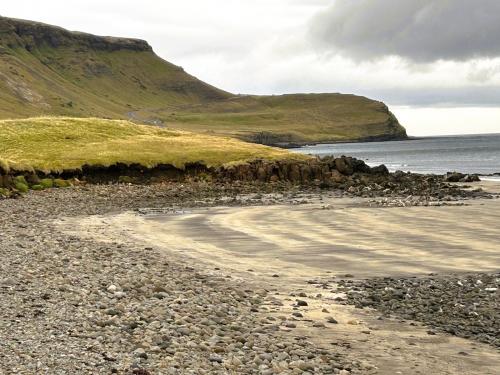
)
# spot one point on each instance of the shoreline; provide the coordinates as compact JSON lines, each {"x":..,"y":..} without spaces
{"x":106,"y":300}
{"x":298,"y":145}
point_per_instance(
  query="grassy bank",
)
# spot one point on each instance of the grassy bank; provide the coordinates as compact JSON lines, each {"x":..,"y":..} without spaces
{"x":54,"y":144}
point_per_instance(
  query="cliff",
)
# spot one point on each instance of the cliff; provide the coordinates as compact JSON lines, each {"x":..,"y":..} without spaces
{"x":47,"y":70}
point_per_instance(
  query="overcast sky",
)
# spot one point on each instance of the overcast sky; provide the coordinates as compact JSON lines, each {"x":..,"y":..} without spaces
{"x":436,"y":63}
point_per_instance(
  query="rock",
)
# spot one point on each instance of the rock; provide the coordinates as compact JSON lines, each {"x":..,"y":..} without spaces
{"x":112,"y":288}
{"x":140,"y":353}
{"x":215,"y":358}
{"x":337,"y":177}
{"x":470,"y":178}
{"x":380,"y":170}
{"x":331,"y":320}
{"x":454,"y":177}
{"x":344,"y":166}
{"x":301,"y":303}
{"x":458,"y":305}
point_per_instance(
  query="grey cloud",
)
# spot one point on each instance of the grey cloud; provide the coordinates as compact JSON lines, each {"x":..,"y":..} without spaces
{"x":488,"y":96}
{"x":418,"y":30}
{"x":483,"y":75}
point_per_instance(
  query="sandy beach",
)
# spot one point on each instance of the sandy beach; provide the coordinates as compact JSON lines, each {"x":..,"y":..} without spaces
{"x":338,"y":236}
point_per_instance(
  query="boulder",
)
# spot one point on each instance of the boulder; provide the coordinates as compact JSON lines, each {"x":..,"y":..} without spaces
{"x":305,"y":172}
{"x":360,"y":166}
{"x":461,"y":177}
{"x":294,"y":173}
{"x":470,"y":178}
{"x":262,"y":174}
{"x":337,"y":177}
{"x":344,"y":165}
{"x":380,"y":170}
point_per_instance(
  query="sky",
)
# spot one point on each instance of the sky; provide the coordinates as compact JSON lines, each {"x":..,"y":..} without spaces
{"x":436,"y":63}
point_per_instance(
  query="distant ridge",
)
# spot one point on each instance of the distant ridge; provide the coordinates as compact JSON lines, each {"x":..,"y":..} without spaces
{"x":30,"y":35}
{"x":47,"y":70}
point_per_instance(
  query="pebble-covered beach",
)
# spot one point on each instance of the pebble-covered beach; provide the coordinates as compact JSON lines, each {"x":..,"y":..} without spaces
{"x":74,"y":306}
{"x":463,"y":305}
{"x":77,"y":305}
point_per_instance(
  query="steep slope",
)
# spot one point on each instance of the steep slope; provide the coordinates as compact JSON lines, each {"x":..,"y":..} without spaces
{"x":46,"y":70}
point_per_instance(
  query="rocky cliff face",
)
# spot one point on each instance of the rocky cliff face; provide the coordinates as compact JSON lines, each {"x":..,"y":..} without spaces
{"x":32,"y":35}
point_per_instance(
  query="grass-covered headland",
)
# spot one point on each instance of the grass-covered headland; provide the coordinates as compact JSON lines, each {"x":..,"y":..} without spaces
{"x":51,"y":146}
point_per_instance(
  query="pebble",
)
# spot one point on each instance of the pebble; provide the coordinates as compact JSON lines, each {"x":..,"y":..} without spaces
{"x":464,"y":306}
{"x":74,"y":305}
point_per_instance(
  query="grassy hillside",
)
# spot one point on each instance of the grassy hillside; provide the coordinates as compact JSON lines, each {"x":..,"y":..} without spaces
{"x":45,"y":70}
{"x":52,"y":144}
{"x":297,"y":118}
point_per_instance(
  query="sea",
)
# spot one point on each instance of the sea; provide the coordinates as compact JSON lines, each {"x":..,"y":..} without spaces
{"x":478,"y":154}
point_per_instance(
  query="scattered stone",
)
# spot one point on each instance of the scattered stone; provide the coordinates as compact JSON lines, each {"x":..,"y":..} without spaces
{"x":76,"y":305}
{"x":464,"y":306}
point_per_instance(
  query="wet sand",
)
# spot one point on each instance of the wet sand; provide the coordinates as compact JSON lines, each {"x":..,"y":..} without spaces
{"x":346,"y":237}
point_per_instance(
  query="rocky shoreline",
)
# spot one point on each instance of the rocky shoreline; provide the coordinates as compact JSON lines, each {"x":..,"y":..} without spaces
{"x":344,"y":174}
{"x":467,"y":305}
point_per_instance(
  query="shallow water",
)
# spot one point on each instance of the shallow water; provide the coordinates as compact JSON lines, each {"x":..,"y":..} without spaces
{"x":467,"y":154}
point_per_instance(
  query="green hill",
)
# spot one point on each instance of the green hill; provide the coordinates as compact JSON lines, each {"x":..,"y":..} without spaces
{"x":46,"y":70}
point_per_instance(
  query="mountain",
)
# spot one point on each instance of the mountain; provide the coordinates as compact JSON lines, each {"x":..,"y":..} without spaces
{"x":47,"y":70}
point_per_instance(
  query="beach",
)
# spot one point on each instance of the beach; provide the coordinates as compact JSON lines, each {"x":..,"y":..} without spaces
{"x":187,"y":279}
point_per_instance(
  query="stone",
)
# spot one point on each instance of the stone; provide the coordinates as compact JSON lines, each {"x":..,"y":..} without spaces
{"x":344,"y":166}
{"x":112,"y":288}
{"x":215,"y":358}
{"x":140,"y":353}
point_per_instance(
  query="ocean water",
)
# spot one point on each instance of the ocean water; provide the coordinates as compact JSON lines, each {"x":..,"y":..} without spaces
{"x":467,"y":154}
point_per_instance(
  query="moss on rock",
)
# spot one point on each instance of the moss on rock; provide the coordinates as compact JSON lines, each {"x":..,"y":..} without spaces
{"x":4,"y":193}
{"x":60,"y":183}
{"x":47,"y":183}
{"x":22,"y":188}
{"x":20,"y":180}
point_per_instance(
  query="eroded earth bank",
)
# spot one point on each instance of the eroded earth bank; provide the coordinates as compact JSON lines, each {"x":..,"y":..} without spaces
{"x":233,"y":278}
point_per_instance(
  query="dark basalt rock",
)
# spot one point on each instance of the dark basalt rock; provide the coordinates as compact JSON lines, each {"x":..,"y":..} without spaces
{"x":348,"y":174}
{"x":461,"y":177}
